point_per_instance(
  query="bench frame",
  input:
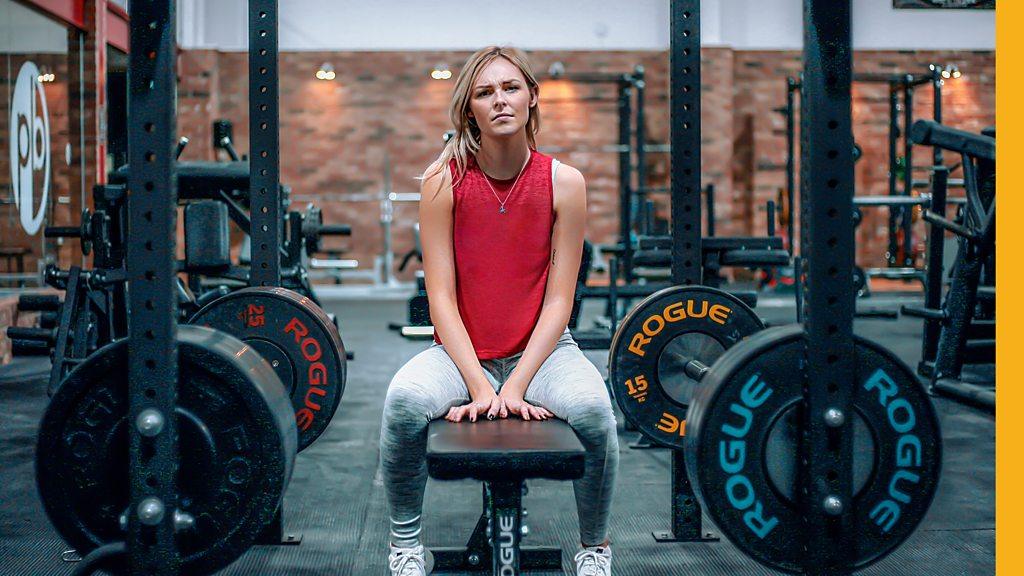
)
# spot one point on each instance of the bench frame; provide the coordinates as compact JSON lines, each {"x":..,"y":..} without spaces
{"x":496,"y":541}
{"x":480,"y":451}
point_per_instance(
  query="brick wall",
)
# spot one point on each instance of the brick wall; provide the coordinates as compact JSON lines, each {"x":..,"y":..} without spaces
{"x":338,"y":136}
{"x":968,"y":103}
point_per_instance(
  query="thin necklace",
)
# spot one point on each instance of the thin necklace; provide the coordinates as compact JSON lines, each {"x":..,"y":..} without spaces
{"x":501,"y":203}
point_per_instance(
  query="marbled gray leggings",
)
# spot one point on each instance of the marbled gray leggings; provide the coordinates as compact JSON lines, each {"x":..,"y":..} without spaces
{"x":429,"y":384}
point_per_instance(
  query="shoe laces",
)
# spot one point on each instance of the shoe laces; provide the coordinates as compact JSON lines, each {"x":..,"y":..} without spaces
{"x":407,"y":561}
{"x":593,"y":563}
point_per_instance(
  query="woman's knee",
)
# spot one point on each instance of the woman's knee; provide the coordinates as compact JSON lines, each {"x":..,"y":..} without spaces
{"x":593,"y":417}
{"x":405,"y":400}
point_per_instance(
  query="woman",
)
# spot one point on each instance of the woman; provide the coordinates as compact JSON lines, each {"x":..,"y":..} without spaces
{"x":502,"y":232}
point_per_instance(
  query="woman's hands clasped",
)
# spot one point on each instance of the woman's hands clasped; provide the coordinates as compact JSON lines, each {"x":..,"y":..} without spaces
{"x":491,"y":405}
{"x":515,"y":404}
{"x":487,"y":405}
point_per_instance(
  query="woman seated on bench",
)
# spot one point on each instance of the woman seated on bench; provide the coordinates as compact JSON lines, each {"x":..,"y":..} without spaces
{"x":502,"y":232}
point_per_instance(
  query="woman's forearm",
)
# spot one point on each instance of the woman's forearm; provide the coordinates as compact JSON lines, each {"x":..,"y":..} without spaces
{"x":448,"y":324}
{"x":554,"y":317}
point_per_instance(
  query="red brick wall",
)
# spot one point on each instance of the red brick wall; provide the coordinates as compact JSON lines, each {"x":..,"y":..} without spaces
{"x":336,"y":135}
{"x":968,"y":103}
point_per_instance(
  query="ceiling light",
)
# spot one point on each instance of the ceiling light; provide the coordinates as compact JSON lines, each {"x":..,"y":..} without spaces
{"x":441,"y":72}
{"x":326,"y":72}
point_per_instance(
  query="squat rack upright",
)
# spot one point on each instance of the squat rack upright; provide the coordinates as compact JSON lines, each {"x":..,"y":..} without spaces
{"x":151,"y":263}
{"x":827,"y":187}
{"x":901,"y":88}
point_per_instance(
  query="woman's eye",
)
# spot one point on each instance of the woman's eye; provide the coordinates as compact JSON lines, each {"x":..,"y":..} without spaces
{"x":513,"y":88}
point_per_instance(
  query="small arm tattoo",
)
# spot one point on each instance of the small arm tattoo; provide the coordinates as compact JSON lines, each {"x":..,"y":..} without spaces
{"x":553,"y":252}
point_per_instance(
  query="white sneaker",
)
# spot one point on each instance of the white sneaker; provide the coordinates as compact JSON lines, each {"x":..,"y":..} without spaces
{"x":596,"y":561}
{"x":407,"y":561}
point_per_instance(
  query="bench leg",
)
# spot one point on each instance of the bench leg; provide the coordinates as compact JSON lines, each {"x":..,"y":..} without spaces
{"x":495,"y":541}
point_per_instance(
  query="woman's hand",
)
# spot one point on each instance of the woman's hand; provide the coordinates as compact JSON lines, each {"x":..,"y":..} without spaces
{"x":489,"y":405}
{"x":515,"y":404}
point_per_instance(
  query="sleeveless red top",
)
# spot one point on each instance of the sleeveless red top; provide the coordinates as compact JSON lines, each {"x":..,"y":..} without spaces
{"x":501,"y":260}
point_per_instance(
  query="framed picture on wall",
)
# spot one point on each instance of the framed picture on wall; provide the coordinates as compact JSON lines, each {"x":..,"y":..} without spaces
{"x":933,"y":4}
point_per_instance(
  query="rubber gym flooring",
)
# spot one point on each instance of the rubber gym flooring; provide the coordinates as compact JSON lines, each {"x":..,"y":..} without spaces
{"x":336,"y":499}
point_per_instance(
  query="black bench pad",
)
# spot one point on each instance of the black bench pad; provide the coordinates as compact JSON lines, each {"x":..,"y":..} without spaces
{"x":503,"y":449}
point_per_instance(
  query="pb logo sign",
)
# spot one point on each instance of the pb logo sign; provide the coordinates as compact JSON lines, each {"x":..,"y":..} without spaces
{"x":30,"y":148}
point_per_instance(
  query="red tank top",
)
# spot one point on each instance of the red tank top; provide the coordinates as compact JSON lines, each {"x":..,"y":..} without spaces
{"x":501,"y":260}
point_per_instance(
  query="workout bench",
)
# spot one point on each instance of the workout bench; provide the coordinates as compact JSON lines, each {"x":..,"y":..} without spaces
{"x":502,"y":453}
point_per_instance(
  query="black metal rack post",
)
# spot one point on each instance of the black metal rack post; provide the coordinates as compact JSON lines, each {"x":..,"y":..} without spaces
{"x":894,"y":135}
{"x":791,"y":90}
{"x":934,"y":271}
{"x":639,"y":138}
{"x":908,"y":171}
{"x":826,"y":451}
{"x":936,"y":109}
{"x":686,"y":219}
{"x":625,"y":178}
{"x":685,"y":139}
{"x":264,"y":144}
{"x":152,"y":347}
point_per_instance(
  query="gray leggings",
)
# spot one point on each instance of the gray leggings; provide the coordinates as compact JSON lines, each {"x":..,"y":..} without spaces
{"x":429,"y":384}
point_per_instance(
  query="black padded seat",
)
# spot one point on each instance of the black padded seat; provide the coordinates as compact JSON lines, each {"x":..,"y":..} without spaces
{"x":503,"y":449}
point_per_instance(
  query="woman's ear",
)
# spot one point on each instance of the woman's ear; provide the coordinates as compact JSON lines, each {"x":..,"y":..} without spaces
{"x":534,"y":96}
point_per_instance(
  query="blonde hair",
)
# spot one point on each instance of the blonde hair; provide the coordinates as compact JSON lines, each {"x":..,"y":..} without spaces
{"x":466,"y":140}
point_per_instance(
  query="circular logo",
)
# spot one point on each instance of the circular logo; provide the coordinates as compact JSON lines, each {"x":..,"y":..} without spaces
{"x":30,"y":148}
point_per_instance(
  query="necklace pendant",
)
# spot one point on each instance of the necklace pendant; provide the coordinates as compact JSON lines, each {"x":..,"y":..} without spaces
{"x":501,"y":210}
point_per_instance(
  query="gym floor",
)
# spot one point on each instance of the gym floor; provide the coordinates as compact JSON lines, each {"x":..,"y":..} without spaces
{"x":336,"y":498}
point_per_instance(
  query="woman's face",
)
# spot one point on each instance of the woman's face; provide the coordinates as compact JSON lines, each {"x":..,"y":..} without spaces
{"x":500,"y":99}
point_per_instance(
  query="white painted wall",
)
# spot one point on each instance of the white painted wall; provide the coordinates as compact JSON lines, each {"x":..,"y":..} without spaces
{"x":778,"y":25}
{"x":570,"y":25}
{"x":25,"y":31}
{"x":446,"y":24}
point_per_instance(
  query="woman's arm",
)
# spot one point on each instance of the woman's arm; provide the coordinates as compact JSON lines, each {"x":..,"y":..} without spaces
{"x":570,"y":204}
{"x":436,"y":201}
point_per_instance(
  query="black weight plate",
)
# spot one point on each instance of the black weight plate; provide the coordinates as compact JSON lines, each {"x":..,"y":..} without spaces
{"x":741,"y":449}
{"x":237,"y":443}
{"x":300,"y":342}
{"x":657,"y":339}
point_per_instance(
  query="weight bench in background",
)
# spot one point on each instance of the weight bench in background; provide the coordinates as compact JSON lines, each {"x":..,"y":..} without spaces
{"x":502,"y":453}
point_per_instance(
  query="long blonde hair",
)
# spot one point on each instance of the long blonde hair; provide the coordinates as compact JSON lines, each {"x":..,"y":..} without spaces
{"x":466,"y":140}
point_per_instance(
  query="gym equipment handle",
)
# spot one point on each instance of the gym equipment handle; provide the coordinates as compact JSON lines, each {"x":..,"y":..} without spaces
{"x":931,"y":133}
{"x":953,"y":227}
{"x":34,"y":334}
{"x":335,"y":230}
{"x":62,"y":232}
{"x":29,"y":348}
{"x":38,"y":303}
{"x":923,"y":312}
